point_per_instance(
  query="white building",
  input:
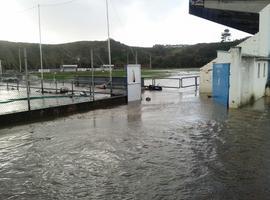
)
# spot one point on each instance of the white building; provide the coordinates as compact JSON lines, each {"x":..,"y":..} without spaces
{"x":240,"y":75}
{"x":69,"y":68}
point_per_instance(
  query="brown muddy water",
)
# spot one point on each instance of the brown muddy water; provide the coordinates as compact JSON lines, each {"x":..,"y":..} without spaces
{"x":177,"y":146}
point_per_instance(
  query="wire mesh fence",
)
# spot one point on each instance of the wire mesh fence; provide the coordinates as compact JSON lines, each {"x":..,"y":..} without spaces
{"x":14,"y":90}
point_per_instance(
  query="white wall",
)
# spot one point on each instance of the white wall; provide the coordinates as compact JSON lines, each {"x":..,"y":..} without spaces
{"x":247,"y":71}
{"x":251,"y":46}
{"x":235,"y":78}
{"x":247,"y":81}
{"x":206,"y":74}
{"x":265,"y":31}
{"x":223,"y":57}
{"x":260,"y":78}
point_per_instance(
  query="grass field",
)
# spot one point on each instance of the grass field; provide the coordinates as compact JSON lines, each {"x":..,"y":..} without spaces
{"x":116,"y":73}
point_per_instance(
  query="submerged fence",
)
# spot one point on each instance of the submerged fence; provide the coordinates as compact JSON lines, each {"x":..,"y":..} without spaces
{"x":175,"y":83}
{"x":19,"y":94}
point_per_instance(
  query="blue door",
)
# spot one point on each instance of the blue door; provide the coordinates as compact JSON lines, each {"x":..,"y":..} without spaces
{"x":221,"y":84}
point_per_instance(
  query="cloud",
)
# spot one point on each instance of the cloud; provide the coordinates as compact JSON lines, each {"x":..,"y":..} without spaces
{"x":134,"y":22}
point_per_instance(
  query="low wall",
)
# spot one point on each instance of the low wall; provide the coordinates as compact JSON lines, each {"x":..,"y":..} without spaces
{"x":59,"y":111}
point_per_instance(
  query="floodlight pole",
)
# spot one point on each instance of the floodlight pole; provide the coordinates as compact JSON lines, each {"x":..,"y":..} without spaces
{"x":109,"y":45}
{"x":92,"y":69}
{"x":20,"y":61}
{"x":40,"y":50}
{"x":1,"y":70}
{"x":150,"y":64}
{"x":27,"y":80}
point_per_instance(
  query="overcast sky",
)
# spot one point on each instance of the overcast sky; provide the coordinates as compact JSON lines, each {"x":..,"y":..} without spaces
{"x":133,"y":22}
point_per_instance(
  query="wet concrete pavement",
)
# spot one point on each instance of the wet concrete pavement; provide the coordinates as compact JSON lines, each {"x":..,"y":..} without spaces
{"x":177,"y":146}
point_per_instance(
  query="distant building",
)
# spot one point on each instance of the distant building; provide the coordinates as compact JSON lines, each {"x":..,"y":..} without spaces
{"x":107,"y":66}
{"x":69,"y":68}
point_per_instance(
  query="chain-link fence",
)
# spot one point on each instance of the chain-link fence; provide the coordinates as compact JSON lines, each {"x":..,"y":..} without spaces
{"x":17,"y":94}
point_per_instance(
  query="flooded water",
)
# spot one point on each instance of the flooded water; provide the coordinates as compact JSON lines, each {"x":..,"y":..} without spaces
{"x":10,"y":98}
{"x":177,"y":146}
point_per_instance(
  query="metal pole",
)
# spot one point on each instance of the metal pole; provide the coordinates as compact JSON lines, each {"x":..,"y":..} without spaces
{"x":109,"y":45}
{"x":136,"y":58}
{"x":56,"y":87}
{"x":196,"y":84}
{"x":127,"y":58}
{"x":72,"y":88}
{"x":150,"y":64}
{"x":27,"y":80}
{"x":40,"y":50}
{"x":92,"y":68}
{"x":1,"y":70}
{"x":20,"y":61}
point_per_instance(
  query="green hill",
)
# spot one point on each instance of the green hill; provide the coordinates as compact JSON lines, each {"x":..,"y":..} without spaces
{"x":176,"y":56}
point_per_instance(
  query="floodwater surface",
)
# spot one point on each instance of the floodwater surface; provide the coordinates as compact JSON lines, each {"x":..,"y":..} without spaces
{"x":176,"y":146}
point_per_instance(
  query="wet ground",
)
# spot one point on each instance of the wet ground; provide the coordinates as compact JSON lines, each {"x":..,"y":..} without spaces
{"x":177,"y":146}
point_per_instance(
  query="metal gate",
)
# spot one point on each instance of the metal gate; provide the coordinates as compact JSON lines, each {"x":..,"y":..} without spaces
{"x":221,"y":84}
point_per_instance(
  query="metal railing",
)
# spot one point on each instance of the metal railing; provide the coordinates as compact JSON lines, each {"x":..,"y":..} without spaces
{"x":176,"y":83}
{"x":18,"y":94}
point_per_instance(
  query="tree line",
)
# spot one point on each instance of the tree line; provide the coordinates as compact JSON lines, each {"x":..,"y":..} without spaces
{"x":162,"y":56}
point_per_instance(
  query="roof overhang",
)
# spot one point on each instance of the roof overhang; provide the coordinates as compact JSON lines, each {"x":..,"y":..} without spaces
{"x":241,"y":20}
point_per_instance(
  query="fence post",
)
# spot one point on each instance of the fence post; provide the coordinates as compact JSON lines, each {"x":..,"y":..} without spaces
{"x":56,"y":90}
{"x":27,"y":80}
{"x":7,"y":86}
{"x":93,"y":90}
{"x":196,"y":84}
{"x":90,"y":89}
{"x":18,"y":85}
{"x":180,"y":83}
{"x":72,"y":89}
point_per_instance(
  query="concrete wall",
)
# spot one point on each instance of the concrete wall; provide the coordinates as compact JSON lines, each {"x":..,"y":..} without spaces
{"x":248,"y":79}
{"x":265,"y":31}
{"x":206,"y":74}
{"x":260,"y":78}
{"x":235,"y":78}
{"x":251,"y":46}
{"x":223,"y":57}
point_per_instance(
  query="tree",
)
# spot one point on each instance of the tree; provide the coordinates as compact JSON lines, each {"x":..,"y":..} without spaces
{"x":226,"y":36}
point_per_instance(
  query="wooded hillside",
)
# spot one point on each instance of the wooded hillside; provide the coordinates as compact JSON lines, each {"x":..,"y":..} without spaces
{"x":176,"y":56}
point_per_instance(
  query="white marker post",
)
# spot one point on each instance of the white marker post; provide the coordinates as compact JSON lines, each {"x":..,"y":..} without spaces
{"x":134,"y":83}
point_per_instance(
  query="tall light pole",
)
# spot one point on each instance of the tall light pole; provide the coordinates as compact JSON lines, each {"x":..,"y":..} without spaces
{"x":1,"y":70}
{"x":40,"y":50}
{"x":150,"y":64}
{"x":92,"y":79}
{"x":109,"y":45}
{"x":20,"y":61}
{"x":136,"y":57}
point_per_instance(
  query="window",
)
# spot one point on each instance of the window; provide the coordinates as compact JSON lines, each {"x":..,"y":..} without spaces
{"x":259,"y":70}
{"x":264,"y":70}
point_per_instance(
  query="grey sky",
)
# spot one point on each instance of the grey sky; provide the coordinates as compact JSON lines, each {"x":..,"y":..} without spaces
{"x":133,"y":22}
